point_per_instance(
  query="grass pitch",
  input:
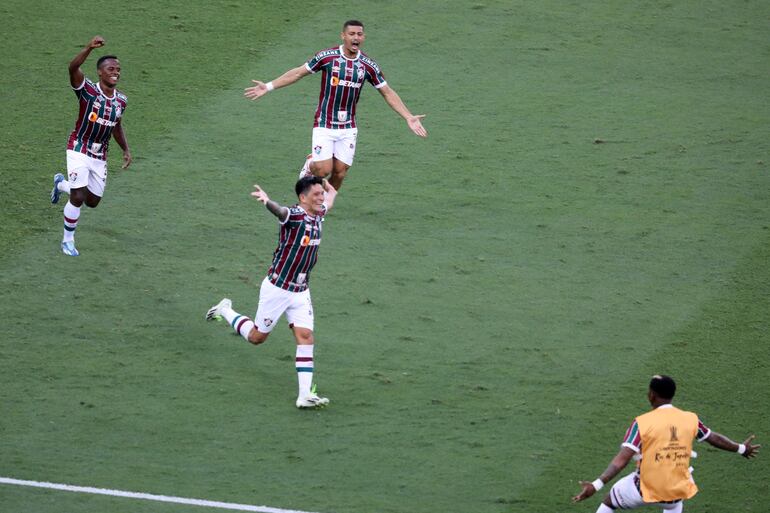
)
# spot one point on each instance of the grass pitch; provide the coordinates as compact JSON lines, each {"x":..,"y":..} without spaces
{"x":591,"y":207}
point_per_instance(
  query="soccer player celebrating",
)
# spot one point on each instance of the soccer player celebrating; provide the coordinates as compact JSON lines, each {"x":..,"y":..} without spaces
{"x":285,"y":288}
{"x":99,"y":118}
{"x":661,"y":441}
{"x":344,"y":70}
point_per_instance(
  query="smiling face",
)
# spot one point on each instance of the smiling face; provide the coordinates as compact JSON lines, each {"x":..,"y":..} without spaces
{"x":312,"y":201}
{"x":109,"y":72}
{"x":352,"y":38}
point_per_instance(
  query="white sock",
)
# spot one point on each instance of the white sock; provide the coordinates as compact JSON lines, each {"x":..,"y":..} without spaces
{"x":304,"y":366}
{"x":603,"y":508}
{"x":71,"y":216}
{"x":64,"y":186}
{"x":240,"y":323}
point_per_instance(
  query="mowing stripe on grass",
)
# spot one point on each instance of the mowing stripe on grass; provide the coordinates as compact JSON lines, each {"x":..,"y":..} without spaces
{"x":148,"y":496}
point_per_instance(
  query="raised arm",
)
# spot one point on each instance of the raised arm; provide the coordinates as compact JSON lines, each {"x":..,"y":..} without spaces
{"x":394,"y":100}
{"x":120,"y":137}
{"x":746,"y":449}
{"x":281,"y":212}
{"x":260,"y":89}
{"x":331,"y":194}
{"x":617,"y":464}
{"x":76,"y":75}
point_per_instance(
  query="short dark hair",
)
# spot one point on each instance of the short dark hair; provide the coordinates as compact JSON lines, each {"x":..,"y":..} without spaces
{"x":306,"y":182}
{"x":663,"y":386}
{"x":352,"y":23}
{"x":104,"y":58}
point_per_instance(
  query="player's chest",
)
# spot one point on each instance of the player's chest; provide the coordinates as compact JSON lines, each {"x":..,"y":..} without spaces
{"x":310,"y":232}
{"x":346,"y":73}
{"x":104,"y":111}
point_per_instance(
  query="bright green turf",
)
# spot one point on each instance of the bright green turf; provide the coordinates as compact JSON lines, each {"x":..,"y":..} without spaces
{"x":592,"y":206}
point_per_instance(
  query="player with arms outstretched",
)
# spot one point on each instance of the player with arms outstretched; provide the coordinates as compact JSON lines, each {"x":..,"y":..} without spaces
{"x":99,"y":118}
{"x":344,"y":70}
{"x":661,"y":440}
{"x":285,"y":288}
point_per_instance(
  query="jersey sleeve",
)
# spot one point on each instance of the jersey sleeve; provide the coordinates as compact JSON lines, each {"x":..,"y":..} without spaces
{"x":633,"y":440}
{"x":703,"y":431}
{"x":80,"y":87}
{"x":317,"y":62}
{"x":296,"y":216}
{"x":86,"y":90}
{"x":374,"y":75}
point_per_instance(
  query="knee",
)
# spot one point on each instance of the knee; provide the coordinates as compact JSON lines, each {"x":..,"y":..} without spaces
{"x":92,"y":202}
{"x":341,"y":172}
{"x":322,"y":169}
{"x":305,"y":338}
{"x":256,"y":337}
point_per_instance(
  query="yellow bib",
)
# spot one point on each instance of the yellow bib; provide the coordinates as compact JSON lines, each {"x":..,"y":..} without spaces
{"x":664,"y":471}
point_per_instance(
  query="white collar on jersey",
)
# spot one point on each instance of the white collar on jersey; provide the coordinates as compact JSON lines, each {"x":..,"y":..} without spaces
{"x":667,"y":405}
{"x":342,"y":52}
{"x":99,"y":87}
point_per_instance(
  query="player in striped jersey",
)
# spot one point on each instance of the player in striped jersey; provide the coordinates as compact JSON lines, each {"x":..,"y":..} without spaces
{"x":344,"y":70}
{"x":661,"y":442}
{"x":99,"y":118}
{"x":285,"y":288}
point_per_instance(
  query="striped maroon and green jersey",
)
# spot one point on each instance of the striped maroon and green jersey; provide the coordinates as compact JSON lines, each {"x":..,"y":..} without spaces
{"x":341,"y":83}
{"x":633,"y":439}
{"x":97,"y":117}
{"x":297,"y":250}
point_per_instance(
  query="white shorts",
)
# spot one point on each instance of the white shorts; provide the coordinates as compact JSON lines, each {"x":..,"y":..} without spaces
{"x":85,"y":171}
{"x":274,"y":301}
{"x":625,"y":495}
{"x":331,"y":142}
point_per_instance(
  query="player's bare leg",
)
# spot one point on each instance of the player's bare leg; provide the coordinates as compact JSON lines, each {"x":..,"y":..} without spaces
{"x":322,"y":168}
{"x":339,"y":172}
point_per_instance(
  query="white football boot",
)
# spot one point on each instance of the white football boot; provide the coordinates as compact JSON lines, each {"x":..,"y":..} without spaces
{"x":215,"y":312}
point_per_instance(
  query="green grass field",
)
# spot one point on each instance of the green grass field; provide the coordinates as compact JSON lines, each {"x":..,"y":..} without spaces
{"x":592,"y":206}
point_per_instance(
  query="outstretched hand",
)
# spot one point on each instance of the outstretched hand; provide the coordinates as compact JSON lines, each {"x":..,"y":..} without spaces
{"x":257,"y":91}
{"x":751,"y":449}
{"x":588,"y":490}
{"x":415,"y":124}
{"x":260,"y":195}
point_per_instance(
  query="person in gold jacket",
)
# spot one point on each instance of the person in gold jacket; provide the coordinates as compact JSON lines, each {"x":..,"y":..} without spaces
{"x":661,"y":442}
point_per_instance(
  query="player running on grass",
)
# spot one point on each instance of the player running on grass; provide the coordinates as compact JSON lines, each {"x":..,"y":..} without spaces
{"x":344,"y":70}
{"x":99,"y":118}
{"x":662,"y":440}
{"x":285,"y":289}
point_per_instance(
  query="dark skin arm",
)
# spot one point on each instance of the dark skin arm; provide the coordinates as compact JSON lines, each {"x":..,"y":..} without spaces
{"x":617,"y":464}
{"x":720,"y":441}
{"x":120,"y":137}
{"x":76,"y":75}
